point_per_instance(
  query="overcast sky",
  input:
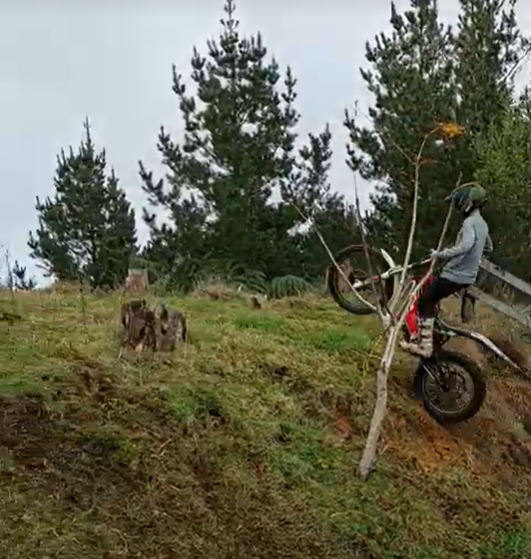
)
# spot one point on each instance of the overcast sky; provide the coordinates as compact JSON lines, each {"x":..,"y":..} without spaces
{"x":111,"y":61}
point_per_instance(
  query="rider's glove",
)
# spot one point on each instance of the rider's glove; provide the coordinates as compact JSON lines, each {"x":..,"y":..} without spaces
{"x":434,"y":254}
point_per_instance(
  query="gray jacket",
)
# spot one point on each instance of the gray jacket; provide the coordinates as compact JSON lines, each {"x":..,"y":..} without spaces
{"x":463,"y":259}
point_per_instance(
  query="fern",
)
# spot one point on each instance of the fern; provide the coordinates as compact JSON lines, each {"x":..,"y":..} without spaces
{"x":233,"y":275}
{"x":289,"y":286}
{"x":253,"y":281}
{"x":189,"y":274}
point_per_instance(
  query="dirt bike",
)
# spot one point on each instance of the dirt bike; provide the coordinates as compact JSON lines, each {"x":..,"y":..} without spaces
{"x":436,"y":380}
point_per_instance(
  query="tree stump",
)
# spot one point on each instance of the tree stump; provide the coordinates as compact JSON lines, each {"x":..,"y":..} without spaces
{"x":137,"y":282}
{"x":138,"y":327}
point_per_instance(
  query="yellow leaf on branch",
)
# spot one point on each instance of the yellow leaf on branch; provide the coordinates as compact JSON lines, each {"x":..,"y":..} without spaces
{"x":451,"y":129}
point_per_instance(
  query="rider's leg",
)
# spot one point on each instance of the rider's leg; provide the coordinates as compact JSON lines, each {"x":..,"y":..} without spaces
{"x":439,"y":289}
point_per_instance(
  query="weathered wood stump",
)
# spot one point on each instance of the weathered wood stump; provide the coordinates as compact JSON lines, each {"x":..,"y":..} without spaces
{"x":138,"y":326}
{"x":137,"y":282}
{"x":143,"y":328}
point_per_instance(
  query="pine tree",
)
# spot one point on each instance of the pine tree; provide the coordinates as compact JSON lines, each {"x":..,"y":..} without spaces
{"x":503,"y":155}
{"x":488,"y":48}
{"x":19,"y":278}
{"x":237,"y":153}
{"x":328,"y":210}
{"x":423,"y":73}
{"x":87,"y":230}
{"x":411,"y":80}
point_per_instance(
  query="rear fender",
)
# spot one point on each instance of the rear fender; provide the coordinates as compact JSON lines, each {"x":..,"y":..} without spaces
{"x":486,"y":343}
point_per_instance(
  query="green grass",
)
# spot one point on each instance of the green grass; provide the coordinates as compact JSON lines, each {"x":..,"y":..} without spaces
{"x":243,"y":443}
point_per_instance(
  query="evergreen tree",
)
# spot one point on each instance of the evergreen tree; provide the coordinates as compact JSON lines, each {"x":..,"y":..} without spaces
{"x":411,"y":80}
{"x":328,"y":210}
{"x":488,"y":48}
{"x":87,"y":230}
{"x":337,"y":224}
{"x":19,"y":278}
{"x":503,"y":154}
{"x":420,"y":74}
{"x":237,"y":153}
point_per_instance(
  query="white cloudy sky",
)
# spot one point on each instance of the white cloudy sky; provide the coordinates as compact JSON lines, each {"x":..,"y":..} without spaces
{"x":61,"y":61}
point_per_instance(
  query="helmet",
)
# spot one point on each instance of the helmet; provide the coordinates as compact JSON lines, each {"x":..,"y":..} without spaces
{"x":467,"y":197}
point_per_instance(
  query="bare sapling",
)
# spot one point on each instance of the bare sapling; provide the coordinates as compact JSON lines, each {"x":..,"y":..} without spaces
{"x":13,"y":315}
{"x":10,"y":276}
{"x":393,"y":321}
{"x":381,"y":308}
{"x":391,"y":317}
{"x":407,"y":293}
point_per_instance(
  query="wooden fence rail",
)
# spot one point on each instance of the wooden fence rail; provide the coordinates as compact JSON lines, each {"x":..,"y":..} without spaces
{"x":504,"y":292}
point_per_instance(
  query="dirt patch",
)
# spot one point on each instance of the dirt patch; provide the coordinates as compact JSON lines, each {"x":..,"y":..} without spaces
{"x":85,"y":383}
{"x":517,"y":452}
{"x":339,"y":409}
{"x":494,"y":443}
{"x":293,"y":303}
{"x":26,"y":433}
{"x":516,"y":394}
{"x":514,"y":349}
{"x":138,"y":488}
{"x":343,"y":427}
{"x":425,"y":444}
{"x":469,"y":348}
{"x":97,"y":385}
{"x":337,"y":402}
{"x":277,"y":373}
{"x":40,"y":441}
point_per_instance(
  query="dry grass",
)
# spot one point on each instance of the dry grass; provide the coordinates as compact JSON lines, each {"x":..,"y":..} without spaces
{"x":217,"y":290}
{"x":244,"y":443}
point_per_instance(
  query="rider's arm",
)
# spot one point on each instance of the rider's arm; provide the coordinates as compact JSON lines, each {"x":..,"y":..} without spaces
{"x":465,"y":243}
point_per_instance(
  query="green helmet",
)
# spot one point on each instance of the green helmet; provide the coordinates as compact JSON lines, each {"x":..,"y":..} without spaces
{"x":468,"y":197}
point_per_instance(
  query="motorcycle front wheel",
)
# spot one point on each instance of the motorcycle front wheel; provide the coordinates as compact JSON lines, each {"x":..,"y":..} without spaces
{"x":451,"y":385}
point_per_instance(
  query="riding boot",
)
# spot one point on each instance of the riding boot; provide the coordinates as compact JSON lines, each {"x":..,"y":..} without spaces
{"x":422,"y":345}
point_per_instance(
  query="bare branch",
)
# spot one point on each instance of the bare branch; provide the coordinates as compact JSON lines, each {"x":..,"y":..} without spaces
{"x":368,"y":257}
{"x":413,"y":225}
{"x":331,"y":256}
{"x":512,"y":71}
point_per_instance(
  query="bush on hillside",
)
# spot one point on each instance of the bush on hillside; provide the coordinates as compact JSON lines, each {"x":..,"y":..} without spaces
{"x":289,"y":286}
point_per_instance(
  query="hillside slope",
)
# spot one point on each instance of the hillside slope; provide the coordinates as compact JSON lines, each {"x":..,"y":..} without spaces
{"x":244,"y":443}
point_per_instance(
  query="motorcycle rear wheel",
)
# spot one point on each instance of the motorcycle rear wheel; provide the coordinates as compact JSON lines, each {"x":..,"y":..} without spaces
{"x":358,"y":271}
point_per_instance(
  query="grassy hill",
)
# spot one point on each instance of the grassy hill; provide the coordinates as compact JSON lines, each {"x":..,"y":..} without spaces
{"x":244,"y":443}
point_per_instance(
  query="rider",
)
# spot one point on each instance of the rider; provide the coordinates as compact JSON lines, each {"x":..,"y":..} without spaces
{"x":461,"y":263}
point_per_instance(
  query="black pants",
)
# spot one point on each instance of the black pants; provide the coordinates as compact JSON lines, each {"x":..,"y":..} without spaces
{"x":439,"y":289}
